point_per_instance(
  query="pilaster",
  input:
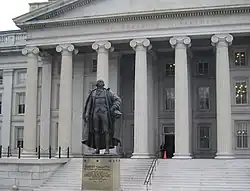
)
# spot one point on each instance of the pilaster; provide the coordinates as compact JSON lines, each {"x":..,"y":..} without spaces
{"x":78,"y":102}
{"x":45,"y":103}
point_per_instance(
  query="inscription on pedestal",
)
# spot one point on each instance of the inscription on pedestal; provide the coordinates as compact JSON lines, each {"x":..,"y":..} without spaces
{"x":97,"y":174}
{"x":101,"y":173}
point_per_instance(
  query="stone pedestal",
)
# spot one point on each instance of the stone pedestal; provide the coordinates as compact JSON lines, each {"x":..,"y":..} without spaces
{"x":101,"y":172}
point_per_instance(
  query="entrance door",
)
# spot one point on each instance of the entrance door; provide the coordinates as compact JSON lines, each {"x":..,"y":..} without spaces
{"x":168,"y":139}
{"x":169,"y":145}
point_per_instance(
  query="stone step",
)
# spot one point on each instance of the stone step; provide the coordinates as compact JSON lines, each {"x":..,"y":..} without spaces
{"x":133,"y":173}
{"x":198,"y":175}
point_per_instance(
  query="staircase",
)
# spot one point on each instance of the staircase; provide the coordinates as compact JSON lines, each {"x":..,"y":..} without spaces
{"x":133,"y":174}
{"x":68,"y":177}
{"x":202,"y":175}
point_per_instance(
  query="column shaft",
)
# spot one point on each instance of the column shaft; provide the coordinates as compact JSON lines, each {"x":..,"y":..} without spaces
{"x":141,"y":126}
{"x":223,"y":96}
{"x":30,"y":118}
{"x":182,"y":123}
{"x":103,"y":48}
{"x":151,"y":103}
{"x":45,"y":104}
{"x":6,"y":108}
{"x":65,"y":102}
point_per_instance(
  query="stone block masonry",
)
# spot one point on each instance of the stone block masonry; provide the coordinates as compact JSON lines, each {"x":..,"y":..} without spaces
{"x":27,"y":174}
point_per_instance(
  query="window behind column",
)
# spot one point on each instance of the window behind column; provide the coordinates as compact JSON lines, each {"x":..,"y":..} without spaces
{"x":21,"y":77}
{"x":202,"y":68}
{"x":19,"y":136}
{"x":170,"y":69}
{"x":241,"y":92}
{"x":204,"y":98}
{"x":239,"y":58}
{"x":169,"y":99}
{"x":20,"y":102}
{"x":241,"y":133}
{"x":94,"y":65}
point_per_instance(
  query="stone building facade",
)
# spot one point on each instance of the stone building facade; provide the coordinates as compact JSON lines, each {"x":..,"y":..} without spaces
{"x":181,"y":68}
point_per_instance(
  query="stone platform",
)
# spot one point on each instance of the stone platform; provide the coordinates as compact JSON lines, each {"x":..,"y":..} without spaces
{"x":101,"y":172}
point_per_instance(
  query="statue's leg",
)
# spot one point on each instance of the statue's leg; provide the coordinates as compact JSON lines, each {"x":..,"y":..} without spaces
{"x":96,"y":133}
{"x":106,"y":132}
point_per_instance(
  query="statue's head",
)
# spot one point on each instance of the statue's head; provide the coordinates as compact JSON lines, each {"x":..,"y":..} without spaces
{"x":100,"y":84}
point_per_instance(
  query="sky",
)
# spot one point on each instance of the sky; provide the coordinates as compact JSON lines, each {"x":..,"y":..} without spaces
{"x":11,"y":9}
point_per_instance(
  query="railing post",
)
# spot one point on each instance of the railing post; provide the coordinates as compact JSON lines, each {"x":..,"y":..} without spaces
{"x":68,"y":152}
{"x":1,"y":147}
{"x":50,"y":152}
{"x":19,"y":152}
{"x":8,"y":155}
{"x":39,"y":152}
{"x":59,"y":152}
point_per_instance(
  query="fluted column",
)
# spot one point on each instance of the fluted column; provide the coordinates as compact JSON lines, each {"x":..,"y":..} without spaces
{"x":223,"y":96}
{"x":182,"y":123}
{"x":45,"y":103}
{"x":65,"y":102}
{"x":103,"y":48}
{"x":30,"y":118}
{"x":141,"y":125}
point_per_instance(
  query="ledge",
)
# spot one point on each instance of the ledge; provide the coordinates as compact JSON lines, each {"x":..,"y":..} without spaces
{"x":33,"y":161}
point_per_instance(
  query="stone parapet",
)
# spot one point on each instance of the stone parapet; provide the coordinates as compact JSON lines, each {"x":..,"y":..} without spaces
{"x":26,"y":174}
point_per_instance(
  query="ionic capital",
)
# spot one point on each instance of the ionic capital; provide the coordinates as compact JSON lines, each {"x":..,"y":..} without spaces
{"x":66,"y":49}
{"x":140,"y":43}
{"x":104,"y":46}
{"x":180,"y":42}
{"x":222,"y":39}
{"x":30,"y":50}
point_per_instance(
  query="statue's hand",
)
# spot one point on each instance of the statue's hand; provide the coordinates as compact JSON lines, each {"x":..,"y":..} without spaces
{"x":85,"y":118}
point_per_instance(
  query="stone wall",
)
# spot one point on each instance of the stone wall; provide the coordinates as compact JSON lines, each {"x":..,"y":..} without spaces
{"x":26,"y":174}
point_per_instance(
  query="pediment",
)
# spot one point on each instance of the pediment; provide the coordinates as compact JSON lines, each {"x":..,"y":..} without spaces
{"x":100,"y":8}
{"x":73,"y":10}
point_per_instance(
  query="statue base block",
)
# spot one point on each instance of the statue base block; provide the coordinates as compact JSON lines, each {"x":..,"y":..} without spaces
{"x":101,"y":172}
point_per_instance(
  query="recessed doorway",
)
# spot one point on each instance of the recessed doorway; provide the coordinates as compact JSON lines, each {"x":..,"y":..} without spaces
{"x":168,"y":140}
{"x":169,"y":145}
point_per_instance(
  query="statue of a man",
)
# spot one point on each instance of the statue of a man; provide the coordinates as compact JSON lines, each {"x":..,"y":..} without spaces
{"x":101,"y":110}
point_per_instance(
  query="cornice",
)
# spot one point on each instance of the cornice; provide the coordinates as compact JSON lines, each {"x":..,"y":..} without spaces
{"x":73,"y":5}
{"x":53,"y":9}
{"x":137,"y":16}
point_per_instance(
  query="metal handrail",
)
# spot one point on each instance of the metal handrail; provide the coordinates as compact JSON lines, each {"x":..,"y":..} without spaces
{"x":148,"y":179}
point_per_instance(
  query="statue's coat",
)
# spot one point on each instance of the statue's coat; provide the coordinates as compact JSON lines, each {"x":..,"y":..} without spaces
{"x":114,"y":102}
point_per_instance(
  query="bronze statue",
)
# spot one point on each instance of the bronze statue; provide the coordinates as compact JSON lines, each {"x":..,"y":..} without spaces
{"x":101,"y":110}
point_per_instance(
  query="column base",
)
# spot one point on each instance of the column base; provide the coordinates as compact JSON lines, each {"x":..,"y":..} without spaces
{"x":182,"y":156}
{"x":142,"y":156}
{"x":225,"y":156}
